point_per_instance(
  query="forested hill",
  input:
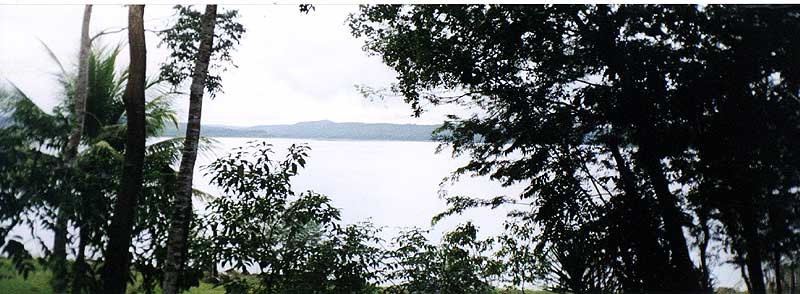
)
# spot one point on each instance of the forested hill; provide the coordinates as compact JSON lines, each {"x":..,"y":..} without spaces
{"x":324,"y":129}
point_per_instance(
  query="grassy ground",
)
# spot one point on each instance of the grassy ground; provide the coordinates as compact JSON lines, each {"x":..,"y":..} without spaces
{"x":39,"y":282}
{"x":10,"y":282}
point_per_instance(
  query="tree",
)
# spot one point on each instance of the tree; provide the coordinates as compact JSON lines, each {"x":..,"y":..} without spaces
{"x":533,"y":95}
{"x":94,"y":182}
{"x":290,"y":242}
{"x":29,"y":185}
{"x":179,"y":229}
{"x":60,"y":280}
{"x":117,"y":265}
{"x":185,"y":58}
{"x":613,"y":104}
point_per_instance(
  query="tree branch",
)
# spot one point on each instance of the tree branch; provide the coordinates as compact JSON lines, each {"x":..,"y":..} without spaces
{"x":107,"y":32}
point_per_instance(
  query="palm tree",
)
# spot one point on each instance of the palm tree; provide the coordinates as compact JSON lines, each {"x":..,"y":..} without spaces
{"x":59,"y":283}
{"x":31,"y":140}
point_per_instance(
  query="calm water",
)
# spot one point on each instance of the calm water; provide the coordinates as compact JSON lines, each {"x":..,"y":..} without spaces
{"x":393,"y":184}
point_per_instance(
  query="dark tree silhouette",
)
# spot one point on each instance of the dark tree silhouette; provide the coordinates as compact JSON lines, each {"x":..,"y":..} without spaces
{"x":117,"y":257}
{"x":627,"y":114}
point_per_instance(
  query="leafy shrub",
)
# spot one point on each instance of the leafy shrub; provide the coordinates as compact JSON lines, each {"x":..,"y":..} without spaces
{"x":290,"y":242}
{"x":458,"y":265}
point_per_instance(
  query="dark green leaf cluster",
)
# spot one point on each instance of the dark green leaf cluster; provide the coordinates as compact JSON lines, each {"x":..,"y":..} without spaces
{"x":22,"y":260}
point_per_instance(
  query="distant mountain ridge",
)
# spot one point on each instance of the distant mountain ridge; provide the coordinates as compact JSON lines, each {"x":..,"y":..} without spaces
{"x":323,"y":129}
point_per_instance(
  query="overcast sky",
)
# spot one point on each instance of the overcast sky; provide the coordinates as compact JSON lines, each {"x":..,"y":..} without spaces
{"x":292,"y":67}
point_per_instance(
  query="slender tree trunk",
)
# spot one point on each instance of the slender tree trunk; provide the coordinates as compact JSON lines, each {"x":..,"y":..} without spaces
{"x":79,"y":267}
{"x":59,"y":282}
{"x":182,"y":208}
{"x":753,"y":257}
{"x":59,"y":261}
{"x":117,"y":265}
{"x":792,"y":281}
{"x":671,"y":214}
{"x":646,"y":252}
{"x":628,"y":179}
{"x":778,"y":273}
{"x":743,"y":269}
{"x":82,"y":87}
{"x":704,"y":252}
{"x":776,"y":221}
{"x":214,"y":272}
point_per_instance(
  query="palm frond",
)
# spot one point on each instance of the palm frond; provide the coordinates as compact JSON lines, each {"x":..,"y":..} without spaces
{"x":53,"y":57}
{"x":26,"y":118}
{"x":159,"y":112}
{"x":103,"y":147}
{"x":152,"y":81}
{"x":172,"y":147}
{"x":15,"y":98}
{"x":104,"y":103}
{"x":202,"y":195}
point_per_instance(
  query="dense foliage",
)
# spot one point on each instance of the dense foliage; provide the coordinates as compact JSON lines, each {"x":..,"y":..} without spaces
{"x":33,"y":173}
{"x":292,"y":243}
{"x":628,"y":123}
{"x":459,"y":264}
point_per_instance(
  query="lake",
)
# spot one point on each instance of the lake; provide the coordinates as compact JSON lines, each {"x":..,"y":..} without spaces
{"x":393,"y":184}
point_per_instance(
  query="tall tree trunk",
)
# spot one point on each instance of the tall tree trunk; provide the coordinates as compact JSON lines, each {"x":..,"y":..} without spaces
{"x":671,"y":214}
{"x":648,"y":267}
{"x":79,"y":267}
{"x":117,"y":265}
{"x":628,"y":179}
{"x":214,"y":272}
{"x":59,"y":282}
{"x":743,"y":269}
{"x":82,"y":87}
{"x":792,"y":281}
{"x":182,"y":207}
{"x":778,"y":226}
{"x":778,"y":272}
{"x":704,"y":252}
{"x":753,"y":257}
{"x":650,"y":162}
{"x":59,"y":258}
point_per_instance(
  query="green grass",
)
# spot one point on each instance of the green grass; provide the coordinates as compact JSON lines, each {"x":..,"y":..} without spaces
{"x":205,"y":288}
{"x":39,"y":282}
